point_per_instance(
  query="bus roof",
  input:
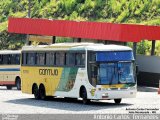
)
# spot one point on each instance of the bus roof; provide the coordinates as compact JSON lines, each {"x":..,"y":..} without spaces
{"x":78,"y":46}
{"x":10,"y":52}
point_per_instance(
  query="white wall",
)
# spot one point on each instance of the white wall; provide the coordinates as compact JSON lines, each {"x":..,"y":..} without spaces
{"x":148,"y":63}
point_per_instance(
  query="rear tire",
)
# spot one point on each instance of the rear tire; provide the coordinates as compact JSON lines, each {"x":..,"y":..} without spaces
{"x":9,"y":87}
{"x":84,"y":96}
{"x":42,"y":92}
{"x":18,"y":83}
{"x":36,"y":92}
{"x":86,"y":101}
{"x":117,"y":101}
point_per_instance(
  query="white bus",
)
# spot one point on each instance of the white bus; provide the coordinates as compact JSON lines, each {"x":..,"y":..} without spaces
{"x":79,"y":70}
{"x":10,"y":68}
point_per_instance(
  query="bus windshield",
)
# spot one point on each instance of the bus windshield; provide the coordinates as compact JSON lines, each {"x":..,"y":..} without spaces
{"x":116,"y":73}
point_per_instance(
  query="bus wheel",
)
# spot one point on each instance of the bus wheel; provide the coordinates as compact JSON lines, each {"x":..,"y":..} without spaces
{"x":18,"y":83}
{"x":117,"y":101}
{"x":36,"y":92}
{"x":84,"y":96}
{"x":42,"y":92}
{"x":9,"y":87}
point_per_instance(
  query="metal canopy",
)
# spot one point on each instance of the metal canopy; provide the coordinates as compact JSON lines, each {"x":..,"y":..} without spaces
{"x":88,"y":30}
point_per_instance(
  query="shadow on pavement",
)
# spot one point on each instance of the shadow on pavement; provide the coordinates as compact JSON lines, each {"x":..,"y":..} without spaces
{"x":5,"y":88}
{"x":68,"y":104}
{"x":146,"y":89}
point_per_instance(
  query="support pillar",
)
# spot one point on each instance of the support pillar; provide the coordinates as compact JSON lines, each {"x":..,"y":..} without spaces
{"x":28,"y":42}
{"x":134,"y":49}
{"x":125,"y":43}
{"x":53,"y":39}
{"x":78,"y":40}
{"x":105,"y":42}
{"x":153,"y":47}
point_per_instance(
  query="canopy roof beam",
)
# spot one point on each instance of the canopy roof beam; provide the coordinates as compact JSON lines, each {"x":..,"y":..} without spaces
{"x":153,"y":47}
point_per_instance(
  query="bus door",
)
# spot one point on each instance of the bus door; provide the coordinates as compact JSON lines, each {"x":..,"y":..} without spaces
{"x":94,"y":74}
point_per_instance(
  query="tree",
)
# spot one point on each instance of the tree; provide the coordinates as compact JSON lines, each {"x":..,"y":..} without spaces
{"x":117,"y":11}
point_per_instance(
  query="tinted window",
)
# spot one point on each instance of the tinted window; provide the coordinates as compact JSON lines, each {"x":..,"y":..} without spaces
{"x":40,"y":58}
{"x":10,"y":59}
{"x":30,"y":58}
{"x":15,"y":59}
{"x":80,"y":59}
{"x":1,"y":59}
{"x":60,"y":58}
{"x":50,"y":58}
{"x":70,"y":59}
{"x":6,"y":59}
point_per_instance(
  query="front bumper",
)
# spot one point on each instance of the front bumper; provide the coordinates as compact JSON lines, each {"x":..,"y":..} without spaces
{"x":114,"y":94}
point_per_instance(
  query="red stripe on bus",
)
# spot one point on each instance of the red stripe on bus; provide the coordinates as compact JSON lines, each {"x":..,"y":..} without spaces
{"x":7,"y":82}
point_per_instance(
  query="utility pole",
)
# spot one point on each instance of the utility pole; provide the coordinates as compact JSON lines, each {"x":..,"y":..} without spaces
{"x":29,"y":8}
{"x":29,"y":16}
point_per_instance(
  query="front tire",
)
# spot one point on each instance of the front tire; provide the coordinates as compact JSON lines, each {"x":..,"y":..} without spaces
{"x":42,"y":92}
{"x":117,"y":101}
{"x":18,"y":83}
{"x":84,"y":96}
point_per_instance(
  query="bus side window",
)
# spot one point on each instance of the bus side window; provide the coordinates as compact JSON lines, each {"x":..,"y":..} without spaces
{"x":60,"y":58}
{"x":17,"y":59}
{"x":50,"y":58}
{"x":30,"y":58}
{"x":14,"y":59}
{"x":40,"y":58}
{"x":9,"y":59}
{"x":83,"y":59}
{"x":1,"y":59}
{"x":5,"y":59}
{"x":80,"y":59}
{"x":70,"y":59}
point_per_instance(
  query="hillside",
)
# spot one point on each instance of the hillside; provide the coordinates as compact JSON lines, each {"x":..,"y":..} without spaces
{"x":116,"y":11}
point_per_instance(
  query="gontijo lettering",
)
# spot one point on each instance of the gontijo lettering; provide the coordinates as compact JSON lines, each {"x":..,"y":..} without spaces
{"x":48,"y":72}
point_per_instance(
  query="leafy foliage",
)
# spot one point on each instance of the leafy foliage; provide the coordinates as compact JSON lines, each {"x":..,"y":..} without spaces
{"x":11,"y":41}
{"x":117,"y":11}
{"x":144,"y":47}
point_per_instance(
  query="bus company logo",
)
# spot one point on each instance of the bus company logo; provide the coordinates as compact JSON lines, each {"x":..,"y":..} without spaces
{"x":53,"y":72}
